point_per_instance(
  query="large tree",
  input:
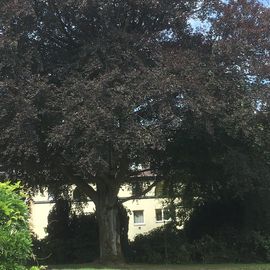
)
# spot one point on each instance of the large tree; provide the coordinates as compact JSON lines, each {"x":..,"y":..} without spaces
{"x":83,"y":85}
{"x":91,"y":89}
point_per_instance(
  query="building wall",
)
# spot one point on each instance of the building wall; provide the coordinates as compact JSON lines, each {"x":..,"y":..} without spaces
{"x":42,"y":205}
{"x":148,"y":206}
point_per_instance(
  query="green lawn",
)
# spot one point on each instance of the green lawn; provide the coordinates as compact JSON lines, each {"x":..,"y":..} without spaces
{"x":171,"y":267}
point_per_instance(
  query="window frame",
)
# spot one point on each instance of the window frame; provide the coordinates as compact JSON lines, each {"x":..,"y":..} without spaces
{"x":138,"y":223}
{"x":163,"y":220}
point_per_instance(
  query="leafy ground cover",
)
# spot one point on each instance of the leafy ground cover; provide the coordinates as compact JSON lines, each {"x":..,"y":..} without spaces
{"x":170,"y":267}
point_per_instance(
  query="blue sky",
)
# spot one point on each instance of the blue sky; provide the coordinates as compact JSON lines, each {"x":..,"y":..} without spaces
{"x":195,"y":23}
{"x":265,"y":2}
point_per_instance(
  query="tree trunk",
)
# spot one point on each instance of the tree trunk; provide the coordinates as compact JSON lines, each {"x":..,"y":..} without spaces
{"x":109,"y":227}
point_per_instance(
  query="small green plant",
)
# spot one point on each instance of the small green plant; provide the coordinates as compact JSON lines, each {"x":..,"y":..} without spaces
{"x":15,"y":238}
{"x":38,"y":268}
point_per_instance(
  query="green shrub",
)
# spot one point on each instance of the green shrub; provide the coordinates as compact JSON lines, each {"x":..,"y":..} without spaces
{"x":15,"y":239}
{"x":164,"y":244}
{"x":228,"y":245}
{"x":231,"y":245}
{"x":71,"y":238}
{"x":38,"y":268}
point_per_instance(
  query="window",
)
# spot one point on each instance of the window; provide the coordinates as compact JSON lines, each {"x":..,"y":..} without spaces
{"x":138,"y":217}
{"x":162,"y":215}
{"x":158,"y":214}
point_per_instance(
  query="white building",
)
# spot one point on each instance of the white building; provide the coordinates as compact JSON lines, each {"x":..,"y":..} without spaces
{"x":144,"y":214}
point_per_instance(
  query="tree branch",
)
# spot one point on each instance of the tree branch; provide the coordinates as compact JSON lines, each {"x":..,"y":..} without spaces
{"x":80,"y":183}
{"x":86,"y":188}
{"x":144,"y":192}
{"x":139,"y":172}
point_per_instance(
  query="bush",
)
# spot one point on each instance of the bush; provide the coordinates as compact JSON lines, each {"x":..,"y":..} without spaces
{"x":15,"y":238}
{"x":71,"y":238}
{"x":228,"y":245}
{"x":164,"y":244}
{"x":231,"y":245}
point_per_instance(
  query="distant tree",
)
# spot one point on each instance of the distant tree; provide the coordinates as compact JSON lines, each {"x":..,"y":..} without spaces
{"x":218,"y":155}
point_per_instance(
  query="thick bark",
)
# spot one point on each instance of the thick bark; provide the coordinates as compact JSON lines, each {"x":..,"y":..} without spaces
{"x":109,"y":226}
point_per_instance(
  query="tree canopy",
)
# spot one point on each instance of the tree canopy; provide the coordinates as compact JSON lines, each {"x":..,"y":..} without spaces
{"x":92,"y":89}
{"x":218,"y":157}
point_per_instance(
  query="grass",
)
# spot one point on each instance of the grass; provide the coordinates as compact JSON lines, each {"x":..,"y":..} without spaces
{"x":168,"y":267}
